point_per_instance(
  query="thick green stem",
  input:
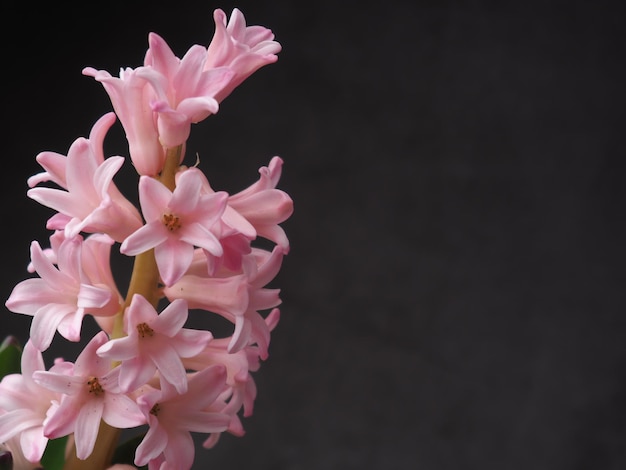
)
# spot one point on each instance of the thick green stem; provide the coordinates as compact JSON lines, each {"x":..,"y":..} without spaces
{"x":144,"y":280}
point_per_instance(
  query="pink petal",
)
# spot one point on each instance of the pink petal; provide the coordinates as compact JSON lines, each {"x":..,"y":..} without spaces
{"x":197,"y":235}
{"x":144,"y":239}
{"x":189,"y":342}
{"x":93,"y":297}
{"x":170,"y":366}
{"x":206,"y":422}
{"x":45,"y":324}
{"x":154,"y":197}
{"x":54,"y":164}
{"x":173,"y":258}
{"x":180,"y":450}
{"x":120,"y":349}
{"x":14,"y":422}
{"x":136,"y":372}
{"x":241,"y":335}
{"x":86,"y":427}
{"x":33,"y":443}
{"x":32,"y":361}
{"x":205,"y":386}
{"x":122,"y":412}
{"x":172,"y":318}
{"x":152,"y":444}
{"x":67,"y":384}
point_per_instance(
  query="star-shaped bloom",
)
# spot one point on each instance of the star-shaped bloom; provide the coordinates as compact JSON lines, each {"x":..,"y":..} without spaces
{"x":90,"y":393}
{"x":176,"y":222}
{"x":155,"y":342}
{"x":256,"y":210}
{"x":172,"y":418}
{"x":26,"y":404}
{"x":61,"y":296}
{"x":89,"y":201}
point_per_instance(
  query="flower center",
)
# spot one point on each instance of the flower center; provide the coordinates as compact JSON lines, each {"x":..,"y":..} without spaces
{"x":155,"y":409}
{"x":171,"y":221}
{"x":144,"y":330}
{"x":94,"y":386}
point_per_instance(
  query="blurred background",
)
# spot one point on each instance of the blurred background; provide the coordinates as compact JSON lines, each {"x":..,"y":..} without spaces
{"x":454,"y":297}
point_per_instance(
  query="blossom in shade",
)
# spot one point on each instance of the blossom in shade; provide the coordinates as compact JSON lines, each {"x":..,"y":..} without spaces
{"x":176,"y":222}
{"x":154,"y":342}
{"x":90,"y":393}
{"x":243,"y":49}
{"x":25,"y":405}
{"x":239,"y":365}
{"x":236,"y":297}
{"x":61,"y":296}
{"x":88,"y":199}
{"x":172,"y":418}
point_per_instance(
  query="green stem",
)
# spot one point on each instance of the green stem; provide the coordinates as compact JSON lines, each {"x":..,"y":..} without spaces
{"x":144,"y":280}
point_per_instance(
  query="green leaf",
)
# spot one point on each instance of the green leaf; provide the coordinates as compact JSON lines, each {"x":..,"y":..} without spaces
{"x":125,"y":452}
{"x":54,"y":455}
{"x":10,"y":356}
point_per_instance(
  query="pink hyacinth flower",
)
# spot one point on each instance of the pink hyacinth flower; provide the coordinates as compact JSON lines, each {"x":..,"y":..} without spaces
{"x":264,"y":206}
{"x":131,"y":95}
{"x":176,"y":222}
{"x":90,"y":393}
{"x":172,"y":418}
{"x":154,"y":342}
{"x":243,"y":49}
{"x":61,"y":296}
{"x":237,"y":298}
{"x":26,"y":404}
{"x":184,"y":89}
{"x":89,"y":201}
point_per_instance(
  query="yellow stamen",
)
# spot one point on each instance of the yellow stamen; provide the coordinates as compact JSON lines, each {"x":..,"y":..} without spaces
{"x":94,"y":386}
{"x":171,"y":221}
{"x":155,"y":409}
{"x":144,"y":330}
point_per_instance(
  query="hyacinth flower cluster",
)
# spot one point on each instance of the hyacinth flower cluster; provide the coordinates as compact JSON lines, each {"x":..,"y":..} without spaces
{"x":194,"y":250}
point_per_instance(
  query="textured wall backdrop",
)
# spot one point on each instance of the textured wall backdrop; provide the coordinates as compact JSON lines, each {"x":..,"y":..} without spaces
{"x":454,"y":297}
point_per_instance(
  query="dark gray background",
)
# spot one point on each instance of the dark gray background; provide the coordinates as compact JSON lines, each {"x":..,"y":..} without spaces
{"x":454,"y":297}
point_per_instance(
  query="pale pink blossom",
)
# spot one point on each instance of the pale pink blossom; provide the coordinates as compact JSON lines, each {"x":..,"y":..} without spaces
{"x":25,"y":405}
{"x":256,"y":210}
{"x":95,"y":254}
{"x":172,"y":418}
{"x":242,"y":389}
{"x":176,"y":222}
{"x":264,"y":206}
{"x":131,"y":96}
{"x":237,"y":297}
{"x":154,"y":342}
{"x":184,"y":89}
{"x":88,"y":199}
{"x":90,"y":393}
{"x":61,"y":296}
{"x":244,"y":49}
